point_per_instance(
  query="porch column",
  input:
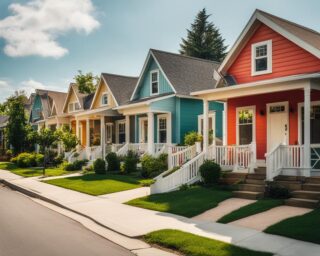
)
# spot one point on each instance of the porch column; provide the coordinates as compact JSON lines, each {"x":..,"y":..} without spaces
{"x":307,"y":150}
{"x":102,"y":135}
{"x":205,"y":126}
{"x":150,"y":133}
{"x":127,"y":129}
{"x":87,"y":132}
{"x":78,"y":132}
{"x":169,"y":129}
{"x":225,"y":123}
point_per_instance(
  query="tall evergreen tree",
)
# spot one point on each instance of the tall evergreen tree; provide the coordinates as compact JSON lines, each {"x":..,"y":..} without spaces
{"x":204,"y":39}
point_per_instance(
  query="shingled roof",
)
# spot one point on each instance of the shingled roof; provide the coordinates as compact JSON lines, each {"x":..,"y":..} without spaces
{"x":48,"y":98}
{"x":121,"y":86}
{"x":85,"y":99}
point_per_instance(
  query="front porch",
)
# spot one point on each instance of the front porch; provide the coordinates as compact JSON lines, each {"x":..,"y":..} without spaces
{"x":267,"y":127}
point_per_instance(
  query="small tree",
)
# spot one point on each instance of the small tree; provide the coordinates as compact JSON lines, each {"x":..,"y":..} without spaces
{"x":192,"y":137}
{"x":45,"y":138}
{"x":68,"y":139}
{"x":87,"y":83}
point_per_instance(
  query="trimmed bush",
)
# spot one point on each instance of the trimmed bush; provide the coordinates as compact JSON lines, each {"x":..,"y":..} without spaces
{"x":113,"y":162}
{"x":152,"y":167}
{"x":278,"y":192}
{"x":25,"y":160}
{"x":191,"y":138}
{"x":210,"y":172}
{"x":130,"y":162}
{"x":99,"y":166}
{"x":39,"y":159}
{"x":58,"y":160}
{"x":68,"y":167}
{"x":75,"y":166}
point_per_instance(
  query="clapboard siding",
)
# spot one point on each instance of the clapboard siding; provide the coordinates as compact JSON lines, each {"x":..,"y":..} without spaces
{"x":287,"y":58}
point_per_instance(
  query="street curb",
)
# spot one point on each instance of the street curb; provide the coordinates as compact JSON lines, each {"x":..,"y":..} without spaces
{"x":36,"y":195}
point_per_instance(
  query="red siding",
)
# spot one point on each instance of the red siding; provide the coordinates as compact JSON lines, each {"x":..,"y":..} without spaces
{"x":287,"y":58}
{"x":260,"y":101}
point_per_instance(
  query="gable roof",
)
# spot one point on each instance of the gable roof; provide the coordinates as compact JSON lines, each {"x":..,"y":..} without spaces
{"x":185,"y":74}
{"x":304,"y":37}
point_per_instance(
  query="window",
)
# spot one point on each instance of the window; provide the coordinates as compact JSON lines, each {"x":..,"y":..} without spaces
{"x":261,"y":58}
{"x":314,"y":124}
{"x":104,"y":99}
{"x":162,"y":126}
{"x":154,"y":82}
{"x":122,"y":132}
{"x":73,"y":106}
{"x":245,"y":121}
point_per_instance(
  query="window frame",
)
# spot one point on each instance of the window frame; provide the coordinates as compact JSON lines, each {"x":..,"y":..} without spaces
{"x":268,"y":43}
{"x":74,"y":103}
{"x":253,"y":108}
{"x":151,"y":82}
{"x":102,"y":97}
{"x":158,"y":127}
{"x":118,"y":123}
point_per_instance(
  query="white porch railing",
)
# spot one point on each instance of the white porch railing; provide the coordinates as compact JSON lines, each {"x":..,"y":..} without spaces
{"x":234,"y":157}
{"x":94,"y":153}
{"x":178,"y":156}
{"x":187,"y":174}
{"x":139,"y":148}
{"x":315,"y":157}
{"x":116,"y":147}
{"x":159,"y":148}
{"x":80,"y":154}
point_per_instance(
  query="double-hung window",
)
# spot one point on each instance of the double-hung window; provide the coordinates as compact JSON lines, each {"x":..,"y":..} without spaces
{"x":104,"y":99}
{"x":154,"y":82}
{"x":73,"y":106}
{"x":261,"y":62}
{"x":122,"y":132}
{"x":162,"y":126}
{"x":314,"y":124}
{"x":245,"y":123}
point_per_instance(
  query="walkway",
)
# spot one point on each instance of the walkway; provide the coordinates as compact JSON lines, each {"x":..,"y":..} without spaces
{"x":135,"y":222}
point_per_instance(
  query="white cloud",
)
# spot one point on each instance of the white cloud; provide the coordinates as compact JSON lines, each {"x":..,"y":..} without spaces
{"x":33,"y":28}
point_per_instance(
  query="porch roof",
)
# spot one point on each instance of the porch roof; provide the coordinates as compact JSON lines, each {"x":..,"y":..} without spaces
{"x":101,"y":111}
{"x":261,"y":87}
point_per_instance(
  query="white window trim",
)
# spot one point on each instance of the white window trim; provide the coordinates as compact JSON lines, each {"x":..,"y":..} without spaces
{"x":158,"y":77}
{"x":102,"y":96}
{"x":74,"y":109}
{"x":269,"y":58}
{"x":141,"y":131}
{"x":253,"y":108}
{"x":169,"y":127}
{"x":212,"y":114}
{"x":118,"y":122}
{"x":300,"y":105}
{"x":111,"y":127}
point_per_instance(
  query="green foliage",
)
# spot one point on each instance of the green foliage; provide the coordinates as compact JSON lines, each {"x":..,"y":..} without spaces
{"x":68,"y":139}
{"x":99,"y":166}
{"x":152,"y":166}
{"x":28,"y":160}
{"x":87,"y":83}
{"x":210,"y":172}
{"x":130,"y":162}
{"x":184,"y":187}
{"x":278,"y":192}
{"x":204,"y":40}
{"x":58,"y":160}
{"x":113,"y":162}
{"x":192,"y":137}
{"x":75,"y":166}
{"x":39,"y":159}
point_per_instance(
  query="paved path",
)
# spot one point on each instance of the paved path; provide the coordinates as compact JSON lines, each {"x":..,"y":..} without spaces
{"x":265,"y":219}
{"x":28,"y":228}
{"x":133,"y":222}
{"x":223,"y":209}
{"x":77,"y":174}
{"x":125,"y":196}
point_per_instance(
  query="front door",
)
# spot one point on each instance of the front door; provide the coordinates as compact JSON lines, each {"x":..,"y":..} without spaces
{"x":109,"y":128}
{"x":143,"y":130}
{"x":277,"y":124}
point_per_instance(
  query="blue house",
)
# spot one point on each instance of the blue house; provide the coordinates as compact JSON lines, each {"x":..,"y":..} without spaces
{"x":161,"y":109}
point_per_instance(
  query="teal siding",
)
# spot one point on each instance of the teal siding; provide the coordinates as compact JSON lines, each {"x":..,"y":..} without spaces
{"x":36,"y":109}
{"x":144,"y":86}
{"x":218,"y":108}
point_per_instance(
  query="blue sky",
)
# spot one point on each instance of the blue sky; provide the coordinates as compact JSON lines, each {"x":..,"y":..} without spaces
{"x":121,"y":32}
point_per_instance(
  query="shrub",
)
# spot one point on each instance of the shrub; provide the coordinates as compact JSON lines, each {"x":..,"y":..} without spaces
{"x":9,"y":153}
{"x":130,"y":162}
{"x":75,"y":166}
{"x":184,"y":187}
{"x":191,"y":138}
{"x":69,"y":167}
{"x":151,"y":166}
{"x":113,"y":162}
{"x":25,"y":160}
{"x":278,"y":192}
{"x":99,"y":166}
{"x":39,"y":159}
{"x":58,"y":160}
{"x":210,"y":172}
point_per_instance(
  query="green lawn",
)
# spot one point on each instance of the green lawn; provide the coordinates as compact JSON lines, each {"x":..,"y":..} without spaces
{"x":94,"y":184}
{"x":305,"y":227}
{"x":188,"y":203}
{"x":32,"y":171}
{"x":261,"y":205}
{"x":193,"y":245}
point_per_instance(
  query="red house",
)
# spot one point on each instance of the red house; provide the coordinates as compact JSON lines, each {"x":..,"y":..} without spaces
{"x":268,"y":81}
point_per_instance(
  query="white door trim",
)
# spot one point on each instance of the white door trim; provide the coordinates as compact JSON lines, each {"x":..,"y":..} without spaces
{"x":111,"y":130}
{"x":212,"y":115}
{"x":286,"y":103}
{"x":169,"y":129}
{"x":118,"y":122}
{"x":141,"y":131}
{"x":253,"y":108}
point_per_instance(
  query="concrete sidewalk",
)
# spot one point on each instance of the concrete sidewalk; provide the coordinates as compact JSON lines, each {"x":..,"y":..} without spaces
{"x":134,"y":222}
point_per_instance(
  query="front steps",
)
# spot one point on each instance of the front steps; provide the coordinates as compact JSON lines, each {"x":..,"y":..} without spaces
{"x":305,"y":191}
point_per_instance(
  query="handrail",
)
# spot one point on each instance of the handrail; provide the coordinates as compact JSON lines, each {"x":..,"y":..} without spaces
{"x":181,"y":157}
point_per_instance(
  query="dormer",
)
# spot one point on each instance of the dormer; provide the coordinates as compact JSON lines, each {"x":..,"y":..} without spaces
{"x":72,"y":103}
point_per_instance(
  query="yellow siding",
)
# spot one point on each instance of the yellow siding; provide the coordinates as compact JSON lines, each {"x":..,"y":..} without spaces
{"x":102,"y":89}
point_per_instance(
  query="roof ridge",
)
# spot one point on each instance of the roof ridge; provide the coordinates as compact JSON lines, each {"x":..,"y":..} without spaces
{"x":45,"y":90}
{"x":111,"y":74}
{"x":185,"y":56}
{"x":290,"y":22}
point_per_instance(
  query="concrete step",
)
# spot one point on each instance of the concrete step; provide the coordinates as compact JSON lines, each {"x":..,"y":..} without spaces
{"x":311,"y":187}
{"x":291,"y":185}
{"x":253,"y":181}
{"x":256,"y":176}
{"x":260,"y":170}
{"x":248,"y":194}
{"x":251,"y":187}
{"x":230,"y":181}
{"x":305,"y":203}
{"x":304,"y":194}
{"x":313,"y":180}
{"x":234,"y":175}
{"x":289,"y":178}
